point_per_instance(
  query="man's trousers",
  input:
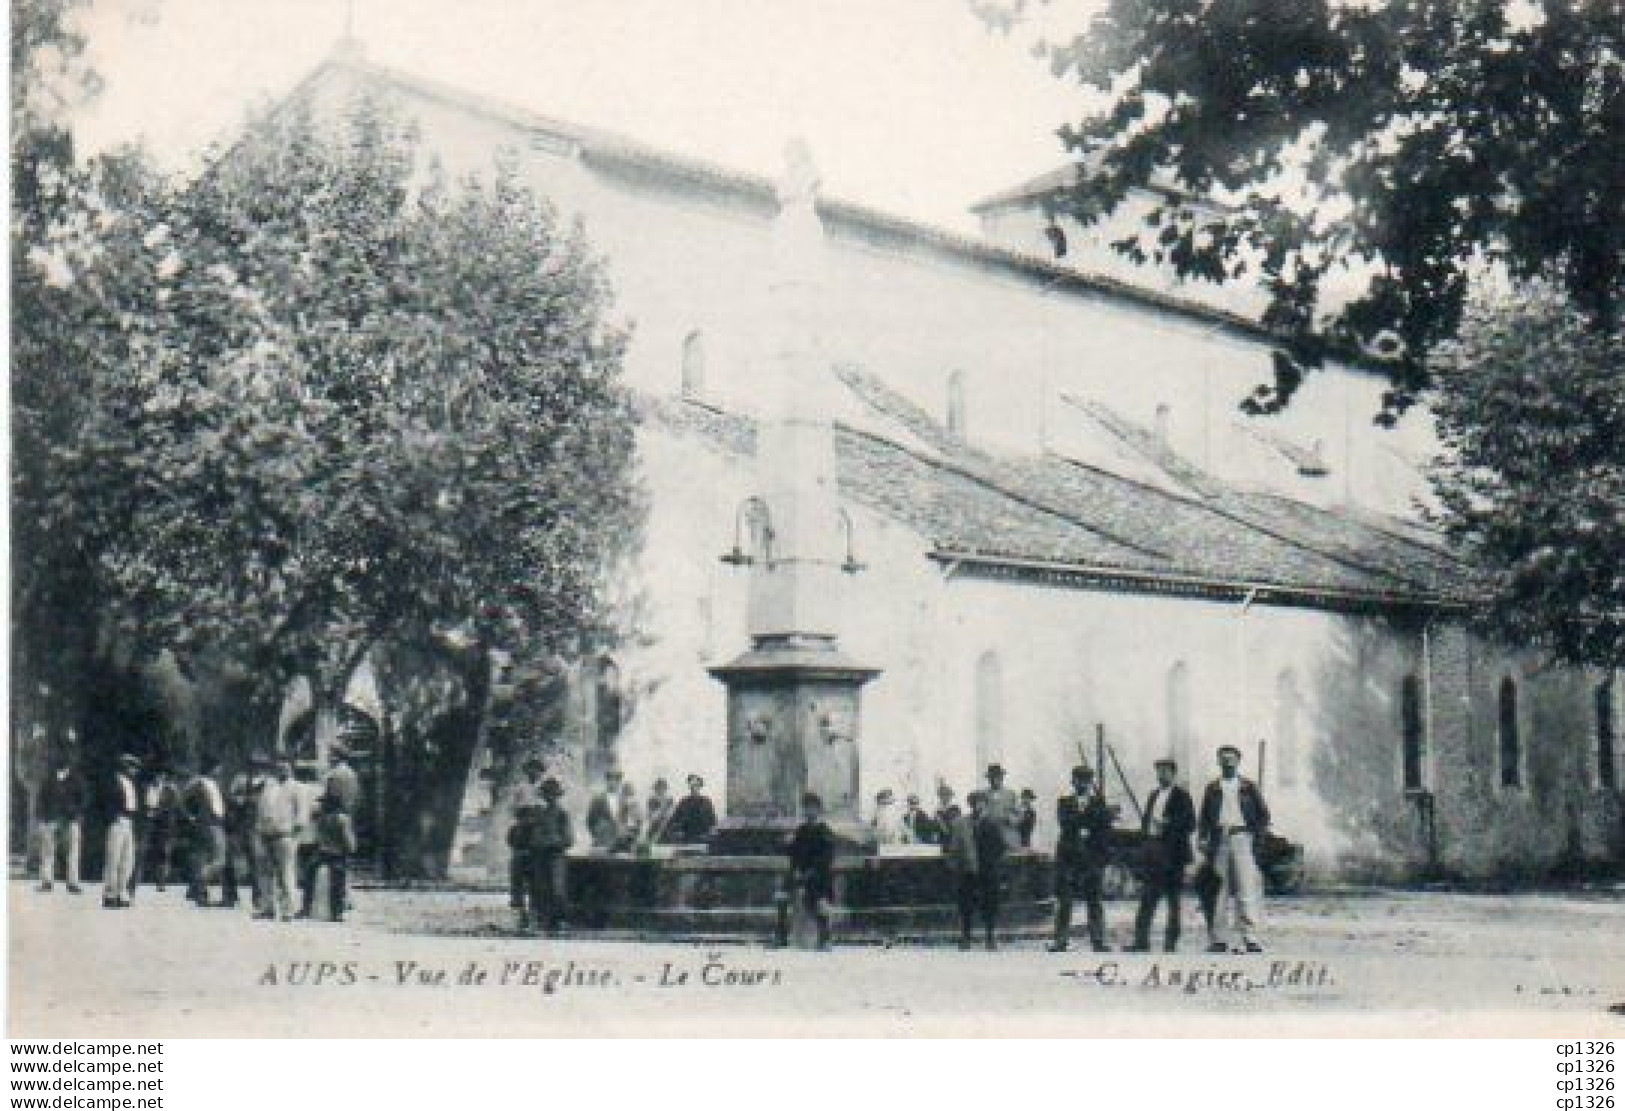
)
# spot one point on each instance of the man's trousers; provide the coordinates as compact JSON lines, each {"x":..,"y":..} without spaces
{"x":1073,"y":879}
{"x":337,"y":865}
{"x":978,"y":899}
{"x":209,"y":858}
{"x":1164,"y":878}
{"x":64,"y":833}
{"x":548,"y":895}
{"x":1241,"y":887}
{"x":275,"y":871}
{"x":119,"y":868}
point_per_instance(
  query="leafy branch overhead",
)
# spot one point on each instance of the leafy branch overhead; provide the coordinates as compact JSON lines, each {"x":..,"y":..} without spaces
{"x":1369,"y":159}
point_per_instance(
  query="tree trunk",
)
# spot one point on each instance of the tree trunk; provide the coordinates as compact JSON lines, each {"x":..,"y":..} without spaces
{"x":454,"y":739}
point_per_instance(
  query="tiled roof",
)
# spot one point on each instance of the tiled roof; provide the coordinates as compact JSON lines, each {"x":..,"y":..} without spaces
{"x":1146,"y":445}
{"x":951,"y":506}
{"x":1224,"y":535}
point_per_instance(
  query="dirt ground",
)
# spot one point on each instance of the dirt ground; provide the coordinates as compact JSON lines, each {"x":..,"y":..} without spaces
{"x":442,"y":964}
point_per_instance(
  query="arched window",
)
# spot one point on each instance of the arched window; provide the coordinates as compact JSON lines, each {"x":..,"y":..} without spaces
{"x":1410,"y":732}
{"x":1607,"y":736}
{"x":1511,"y":748}
{"x":1161,"y":423}
{"x":694,"y":365}
{"x":1178,"y":698}
{"x":956,"y":405}
{"x":1288,"y":717}
{"x":989,"y":710}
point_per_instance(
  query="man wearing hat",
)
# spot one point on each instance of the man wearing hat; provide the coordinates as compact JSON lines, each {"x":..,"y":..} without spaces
{"x":1080,"y":859}
{"x":812,"y":873}
{"x":887,"y":823}
{"x":307,"y":798}
{"x":1168,"y":822}
{"x":243,"y":863}
{"x":1233,"y":816}
{"x":59,"y":819}
{"x":694,"y":817}
{"x":276,"y":827}
{"x":523,"y":803}
{"x":123,"y":804}
{"x":552,"y":834}
{"x":205,"y":807}
{"x":1003,"y":806}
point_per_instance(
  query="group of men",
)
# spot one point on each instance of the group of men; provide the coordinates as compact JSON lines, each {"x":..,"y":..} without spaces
{"x":1226,"y":828}
{"x":1016,"y":813}
{"x":542,"y":833}
{"x":617,"y":823}
{"x":268,"y":829}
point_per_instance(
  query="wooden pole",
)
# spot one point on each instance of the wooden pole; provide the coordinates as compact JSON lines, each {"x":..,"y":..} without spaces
{"x":1100,"y":758}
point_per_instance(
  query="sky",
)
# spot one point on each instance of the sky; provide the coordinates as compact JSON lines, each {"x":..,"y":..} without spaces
{"x":912,"y":106}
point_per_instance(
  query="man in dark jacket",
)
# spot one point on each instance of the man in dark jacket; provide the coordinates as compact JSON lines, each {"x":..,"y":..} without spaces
{"x":552,"y":835}
{"x":1080,"y":859}
{"x":335,"y":844}
{"x":693,"y":818}
{"x":204,"y":805}
{"x":1233,"y":817}
{"x":59,"y":815}
{"x":812,"y":867}
{"x":1168,"y":822}
{"x":975,"y":851}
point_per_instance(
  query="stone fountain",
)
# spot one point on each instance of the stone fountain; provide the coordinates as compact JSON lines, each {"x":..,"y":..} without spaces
{"x":794,"y":697}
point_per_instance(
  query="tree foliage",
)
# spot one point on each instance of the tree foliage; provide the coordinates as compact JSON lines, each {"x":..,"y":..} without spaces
{"x":1406,"y":142}
{"x":360,"y":405}
{"x":1531,"y":406}
{"x":67,"y":283}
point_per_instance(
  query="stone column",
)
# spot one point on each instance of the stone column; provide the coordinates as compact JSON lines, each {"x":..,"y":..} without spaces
{"x":793,"y":698}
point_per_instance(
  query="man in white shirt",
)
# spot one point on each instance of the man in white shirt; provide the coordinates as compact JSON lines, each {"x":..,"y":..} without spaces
{"x":125,"y":803}
{"x":276,"y":824}
{"x":307,"y":794}
{"x":1233,"y":817}
{"x":887,"y":822}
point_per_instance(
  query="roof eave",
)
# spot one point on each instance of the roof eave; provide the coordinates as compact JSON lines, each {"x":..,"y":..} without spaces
{"x":1186,"y":585}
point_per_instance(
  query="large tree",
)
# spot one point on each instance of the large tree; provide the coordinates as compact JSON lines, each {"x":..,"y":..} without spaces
{"x":72,"y":284}
{"x":1403,"y":144}
{"x":366,"y":406}
{"x":1531,"y":407}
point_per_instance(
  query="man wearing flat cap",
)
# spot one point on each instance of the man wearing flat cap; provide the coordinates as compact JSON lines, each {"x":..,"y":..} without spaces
{"x":1168,"y":822}
{"x":1233,"y":817}
{"x":1080,"y":858}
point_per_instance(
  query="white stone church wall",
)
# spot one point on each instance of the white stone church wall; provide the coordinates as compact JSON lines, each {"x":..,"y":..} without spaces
{"x":690,"y":262}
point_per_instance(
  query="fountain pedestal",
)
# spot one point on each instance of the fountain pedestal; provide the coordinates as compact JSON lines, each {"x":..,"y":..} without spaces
{"x":793,"y":708}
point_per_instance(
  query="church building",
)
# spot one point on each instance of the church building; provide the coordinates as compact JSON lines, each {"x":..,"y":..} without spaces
{"x":1056,"y":527}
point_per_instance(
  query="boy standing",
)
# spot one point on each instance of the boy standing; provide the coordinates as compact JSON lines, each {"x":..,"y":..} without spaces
{"x":812,"y":866}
